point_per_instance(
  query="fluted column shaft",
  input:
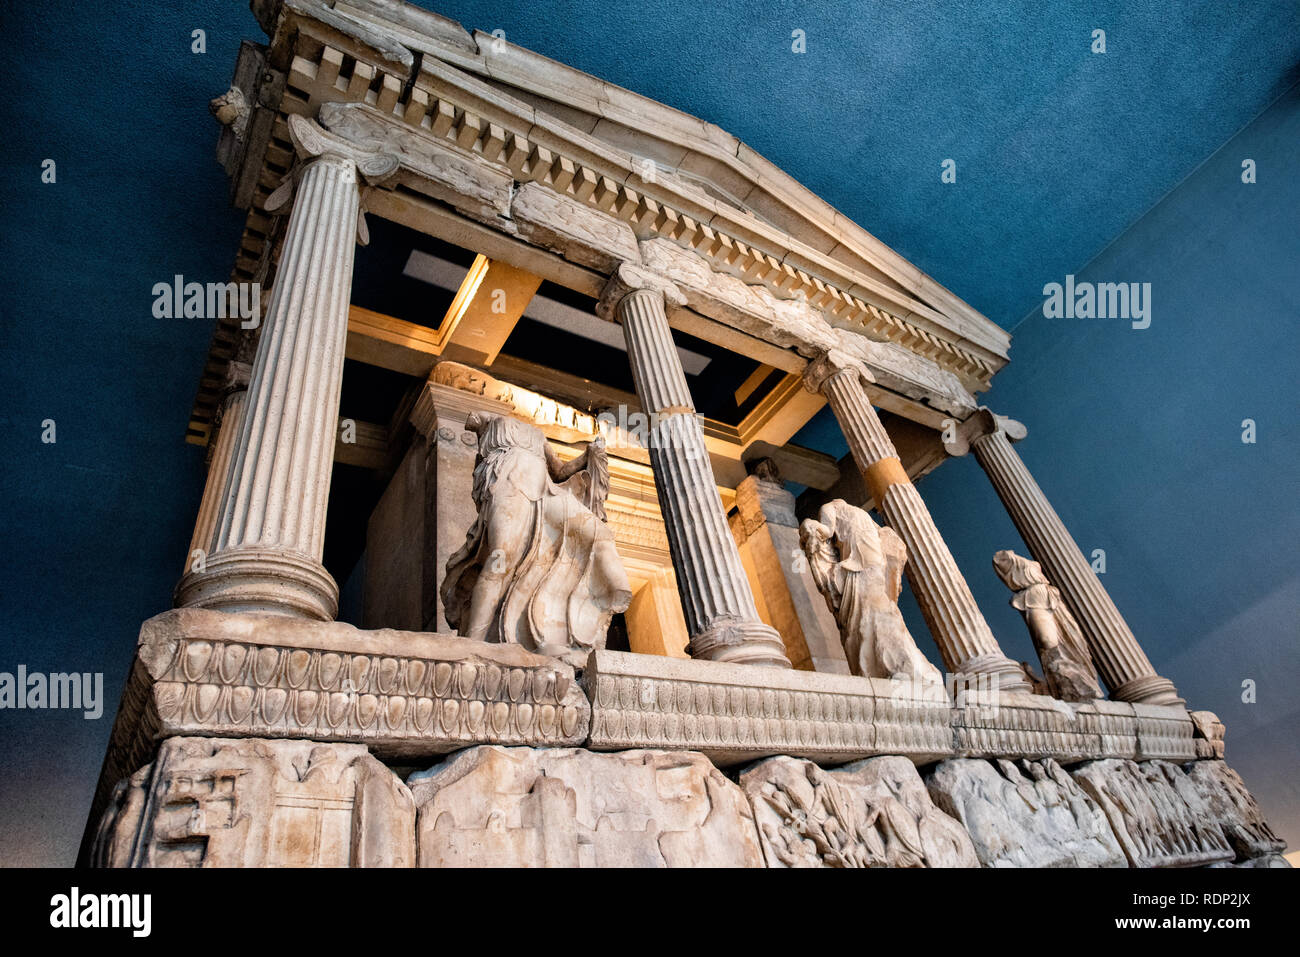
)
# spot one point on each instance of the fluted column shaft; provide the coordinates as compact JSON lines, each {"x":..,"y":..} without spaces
{"x":965,"y":641}
{"x":229,"y":422}
{"x":716,"y":599}
{"x":270,"y":531}
{"x":1122,"y":663}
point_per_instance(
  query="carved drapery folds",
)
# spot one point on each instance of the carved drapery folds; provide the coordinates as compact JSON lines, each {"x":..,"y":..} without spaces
{"x":1067,"y":666}
{"x":538,"y":566}
{"x":965,"y":641}
{"x":858,"y":567}
{"x":1123,"y":664}
{"x":874,"y":813}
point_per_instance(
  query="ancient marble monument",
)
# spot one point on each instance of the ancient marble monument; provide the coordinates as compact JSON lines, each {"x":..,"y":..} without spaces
{"x":500,"y":560}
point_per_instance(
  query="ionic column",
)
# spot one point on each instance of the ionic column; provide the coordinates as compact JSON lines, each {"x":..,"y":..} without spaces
{"x":965,"y":641}
{"x":270,"y":525}
{"x":230,"y":417}
{"x":1121,"y":661}
{"x":716,"y":600}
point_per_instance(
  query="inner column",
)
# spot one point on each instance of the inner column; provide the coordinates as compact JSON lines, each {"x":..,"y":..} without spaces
{"x":716,"y":600}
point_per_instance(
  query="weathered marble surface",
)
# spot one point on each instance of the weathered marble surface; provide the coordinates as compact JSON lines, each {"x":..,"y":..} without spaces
{"x":405,"y":694}
{"x":566,"y":807}
{"x":858,"y":567}
{"x":1236,"y":811}
{"x":873,"y":813}
{"x":726,"y":712}
{"x":1207,"y":734}
{"x":538,"y":567}
{"x":1062,"y":650}
{"x":1024,"y":814}
{"x":1159,"y":814}
{"x":212,"y":802}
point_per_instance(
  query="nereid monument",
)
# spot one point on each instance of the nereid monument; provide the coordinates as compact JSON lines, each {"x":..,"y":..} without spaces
{"x":531,"y":356}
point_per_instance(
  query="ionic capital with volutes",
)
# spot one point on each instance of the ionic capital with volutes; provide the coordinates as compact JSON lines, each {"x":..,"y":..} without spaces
{"x":629,"y":278}
{"x":832,"y":364}
{"x":961,"y":438}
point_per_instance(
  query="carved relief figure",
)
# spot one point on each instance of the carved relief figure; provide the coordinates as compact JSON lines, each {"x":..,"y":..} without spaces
{"x":1067,"y":665}
{"x":1161,"y":817}
{"x":873,"y":813}
{"x":538,"y":566}
{"x":858,"y":567}
{"x":1024,"y":814}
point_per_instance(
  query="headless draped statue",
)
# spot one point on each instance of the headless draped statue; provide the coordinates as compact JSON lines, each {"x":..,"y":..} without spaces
{"x":538,"y":566}
{"x":1067,"y":665}
{"x":858,"y":567}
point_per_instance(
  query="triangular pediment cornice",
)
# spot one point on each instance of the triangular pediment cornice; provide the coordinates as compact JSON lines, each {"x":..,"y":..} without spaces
{"x":687,"y":149}
{"x":698,"y":168}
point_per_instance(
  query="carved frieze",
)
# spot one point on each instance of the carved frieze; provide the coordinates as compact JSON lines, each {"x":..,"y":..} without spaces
{"x":527,"y":807}
{"x":208,"y":802}
{"x":1159,"y":814}
{"x":1235,"y":809}
{"x":731,"y":714}
{"x":874,"y":813}
{"x":1025,"y":813}
{"x":988,"y":723}
{"x":573,"y":229}
{"x":724,"y":710}
{"x":1164,"y":732}
{"x":404,"y":694}
{"x":429,"y":164}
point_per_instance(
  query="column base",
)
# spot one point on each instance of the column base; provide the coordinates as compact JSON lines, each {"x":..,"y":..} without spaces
{"x":1148,"y":689}
{"x":740,"y":642}
{"x":1005,"y":674}
{"x":261,"y":580}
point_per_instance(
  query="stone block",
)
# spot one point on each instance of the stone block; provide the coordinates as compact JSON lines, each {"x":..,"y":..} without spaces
{"x":567,"y":807}
{"x":872,"y":813}
{"x":1164,"y":732}
{"x":1235,"y":809}
{"x":404,"y":694}
{"x":988,"y":723}
{"x":1159,"y":814}
{"x":731,"y":713}
{"x":1112,"y":725}
{"x":1024,"y":814}
{"x":211,"y":802}
{"x":1208,"y":733}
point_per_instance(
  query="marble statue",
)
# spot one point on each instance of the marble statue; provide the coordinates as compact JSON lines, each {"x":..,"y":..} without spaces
{"x":1067,"y":665}
{"x":538,"y":566}
{"x":858,"y":567}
